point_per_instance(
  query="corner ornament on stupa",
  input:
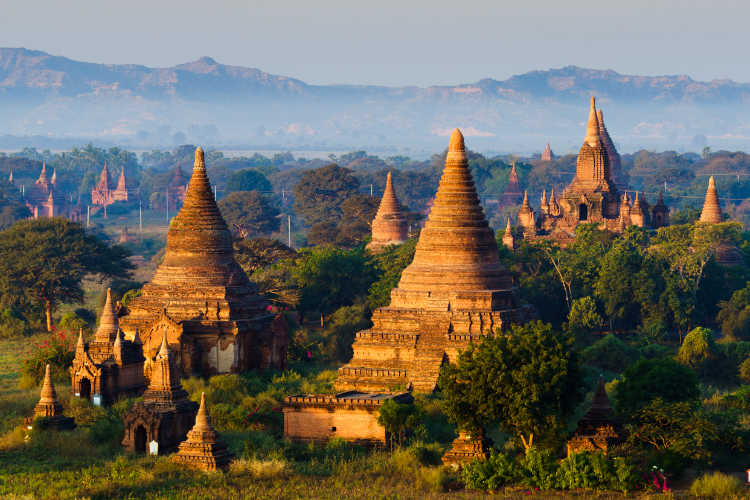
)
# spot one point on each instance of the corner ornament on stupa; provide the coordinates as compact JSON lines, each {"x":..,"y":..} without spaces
{"x":454,"y":291}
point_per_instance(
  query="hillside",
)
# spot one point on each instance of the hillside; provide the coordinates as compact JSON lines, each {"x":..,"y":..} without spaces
{"x":41,"y":94}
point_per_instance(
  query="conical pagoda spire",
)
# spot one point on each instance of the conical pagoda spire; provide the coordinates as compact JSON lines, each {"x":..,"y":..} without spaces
{"x":10,"y":179}
{"x":164,"y":375}
{"x":525,"y":199}
{"x":508,"y":231}
{"x":43,"y":176}
{"x":389,"y":226}
{"x":601,"y":400}
{"x":593,"y":136}
{"x":48,"y":406}
{"x":109,"y":325}
{"x":712,"y":206}
{"x":389,"y":205}
{"x":53,"y":181}
{"x":456,"y":249}
{"x":81,"y":344}
{"x":203,"y":448}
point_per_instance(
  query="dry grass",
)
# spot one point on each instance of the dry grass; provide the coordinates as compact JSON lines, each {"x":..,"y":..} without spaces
{"x":718,"y":485}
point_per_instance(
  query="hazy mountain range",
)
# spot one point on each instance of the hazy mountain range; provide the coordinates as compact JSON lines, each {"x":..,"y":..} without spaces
{"x":45,"y":94}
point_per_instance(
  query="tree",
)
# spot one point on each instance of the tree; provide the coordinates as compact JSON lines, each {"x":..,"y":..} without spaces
{"x":320,"y":192}
{"x":253,"y":254}
{"x":699,"y":345}
{"x":247,"y":180}
{"x":706,"y":152}
{"x":44,"y":260}
{"x":583,"y":318}
{"x":358,"y":213}
{"x":651,"y":378}
{"x":529,"y":381}
{"x":12,"y":207}
{"x":735,"y":315}
{"x":179,"y":138}
{"x":332,"y":277}
{"x":397,"y":419}
{"x":250,"y":214}
{"x":389,"y":265}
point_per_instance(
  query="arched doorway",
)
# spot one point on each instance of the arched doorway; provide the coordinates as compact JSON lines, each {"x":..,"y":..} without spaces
{"x":85,"y":389}
{"x":583,"y":212}
{"x":658,"y":220}
{"x":140,"y":439}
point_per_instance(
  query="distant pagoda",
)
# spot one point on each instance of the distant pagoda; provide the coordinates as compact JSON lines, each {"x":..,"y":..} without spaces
{"x":215,"y":318}
{"x":513,"y":194}
{"x":547,"y":154}
{"x":389,"y":226}
{"x":454,"y":291}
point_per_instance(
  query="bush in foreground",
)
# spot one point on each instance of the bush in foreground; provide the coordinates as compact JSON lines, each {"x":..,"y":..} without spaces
{"x":718,"y":485}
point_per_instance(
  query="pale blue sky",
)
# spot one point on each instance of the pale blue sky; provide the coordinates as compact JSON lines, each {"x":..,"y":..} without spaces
{"x":395,"y":42}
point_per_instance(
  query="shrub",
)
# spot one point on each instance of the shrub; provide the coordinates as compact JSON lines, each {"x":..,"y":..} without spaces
{"x":740,"y":399}
{"x":745,"y":371}
{"x":71,"y":322}
{"x":586,"y":470}
{"x":718,"y":485}
{"x":648,"y":379}
{"x":12,"y":325}
{"x":540,"y":469}
{"x":698,"y":346}
{"x":58,"y":352}
{"x":609,"y":353}
{"x":130,"y":295}
{"x":489,"y":475}
{"x":86,"y":314}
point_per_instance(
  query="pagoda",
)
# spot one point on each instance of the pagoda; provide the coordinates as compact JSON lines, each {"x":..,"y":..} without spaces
{"x":109,"y":365}
{"x":454,"y":291}
{"x":177,"y":190}
{"x":389,"y":226}
{"x":615,"y":162}
{"x":216,"y":320}
{"x":203,"y":448}
{"x":599,"y":429}
{"x":513,"y":194}
{"x":50,"y":408}
{"x":102,"y":195}
{"x":44,"y":199}
{"x":728,"y":253}
{"x":468,"y":446}
{"x":547,"y":154}
{"x":166,"y":414}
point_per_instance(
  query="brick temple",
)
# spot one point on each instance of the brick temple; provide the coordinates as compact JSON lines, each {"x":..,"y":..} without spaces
{"x":166,"y":414}
{"x":103,"y":195}
{"x":44,"y":198}
{"x":203,"y":448}
{"x":513,"y":194}
{"x":593,"y":196}
{"x":454,"y":291}
{"x":215,"y":318}
{"x":350,"y":415}
{"x":389,"y":226}
{"x":109,"y":365}
{"x":600,"y":428}
{"x":50,"y":408}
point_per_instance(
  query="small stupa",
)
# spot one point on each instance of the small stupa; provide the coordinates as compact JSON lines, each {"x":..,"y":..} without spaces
{"x":389,"y":226}
{"x":508,"y":240}
{"x":166,"y":414}
{"x":49,"y":407}
{"x":216,"y":319}
{"x":526,"y":217}
{"x":203,"y":448}
{"x":454,"y":291}
{"x":712,"y":206}
{"x":468,"y":446}
{"x":600,"y":428}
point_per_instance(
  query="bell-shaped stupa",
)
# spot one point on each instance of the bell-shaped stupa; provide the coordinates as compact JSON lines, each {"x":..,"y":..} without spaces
{"x":455,"y":290}
{"x":712,"y":206}
{"x":216,"y":320}
{"x":203,"y":448}
{"x":49,"y":407}
{"x":389,"y":226}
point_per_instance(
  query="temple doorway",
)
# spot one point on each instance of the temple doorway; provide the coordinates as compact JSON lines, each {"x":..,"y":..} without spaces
{"x":140,"y":439}
{"x":583,"y":212}
{"x":85,"y":389}
{"x":658,"y":220}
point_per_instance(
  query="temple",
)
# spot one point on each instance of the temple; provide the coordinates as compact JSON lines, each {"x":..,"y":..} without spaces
{"x":203,"y":449}
{"x":468,"y":446}
{"x":454,"y":291}
{"x":215,"y":318}
{"x":728,"y":254}
{"x":102,"y":195}
{"x":599,"y":429}
{"x":177,"y":189}
{"x":592,"y":197}
{"x":44,"y":199}
{"x":108,"y":365}
{"x":513,"y":194}
{"x":389,"y":226}
{"x":166,"y":414}
{"x":547,"y":154}
{"x":50,"y":408}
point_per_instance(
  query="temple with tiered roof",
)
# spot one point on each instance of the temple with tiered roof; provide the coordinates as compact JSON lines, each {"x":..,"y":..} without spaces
{"x":454,"y":291}
{"x":103,"y":195}
{"x":44,"y":198}
{"x":215,"y":318}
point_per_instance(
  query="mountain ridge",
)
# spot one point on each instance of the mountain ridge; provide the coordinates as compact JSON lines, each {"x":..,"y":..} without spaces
{"x":43,"y":93}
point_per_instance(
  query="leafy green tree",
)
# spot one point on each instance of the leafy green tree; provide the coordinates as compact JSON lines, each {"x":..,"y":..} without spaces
{"x":247,"y":180}
{"x":583,"y":318}
{"x":397,"y":419}
{"x":389,"y":264}
{"x":699,"y":345}
{"x":331,"y":277}
{"x":358,"y":213}
{"x":256,"y":253}
{"x":250,"y":213}
{"x":735,"y":315}
{"x":12,"y":207}
{"x":687,"y":215}
{"x":529,"y":381}
{"x":322,"y":233}
{"x":320,"y":193}
{"x":652,"y":378}
{"x":44,"y":260}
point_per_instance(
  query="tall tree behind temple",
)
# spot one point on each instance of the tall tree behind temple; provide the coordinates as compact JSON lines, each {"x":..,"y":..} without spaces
{"x":44,"y":261}
{"x":320,"y":192}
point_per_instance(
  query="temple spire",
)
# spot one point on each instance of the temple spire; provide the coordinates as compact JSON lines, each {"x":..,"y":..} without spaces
{"x":108,"y":323}
{"x":43,"y":175}
{"x":712,"y":206}
{"x":508,"y":231}
{"x":53,"y":181}
{"x":593,"y":136}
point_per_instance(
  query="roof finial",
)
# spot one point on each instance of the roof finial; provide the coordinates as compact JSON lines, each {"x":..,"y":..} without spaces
{"x":593,"y":136}
{"x":457,"y":141}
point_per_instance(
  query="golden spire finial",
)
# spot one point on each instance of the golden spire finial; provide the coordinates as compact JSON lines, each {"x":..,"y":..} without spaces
{"x":200,"y":161}
{"x":593,"y":136}
{"x":457,"y":141}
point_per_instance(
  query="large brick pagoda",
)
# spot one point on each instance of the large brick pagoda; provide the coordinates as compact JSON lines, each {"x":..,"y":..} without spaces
{"x":215,"y":318}
{"x":454,"y":291}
